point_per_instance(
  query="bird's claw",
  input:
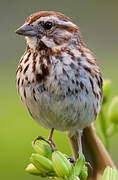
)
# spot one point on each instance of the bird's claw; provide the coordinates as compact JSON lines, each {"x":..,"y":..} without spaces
{"x":71,"y":160}
{"x":39,"y":138}
{"x":88,"y":165}
{"x":49,"y":141}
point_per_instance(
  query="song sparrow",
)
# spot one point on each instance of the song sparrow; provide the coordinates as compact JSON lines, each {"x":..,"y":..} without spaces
{"x":58,"y":79}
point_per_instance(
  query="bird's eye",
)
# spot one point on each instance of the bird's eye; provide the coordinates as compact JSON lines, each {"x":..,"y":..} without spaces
{"x":48,"y":25}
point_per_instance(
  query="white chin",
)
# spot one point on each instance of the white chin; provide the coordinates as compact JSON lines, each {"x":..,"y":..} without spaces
{"x":31,"y":42}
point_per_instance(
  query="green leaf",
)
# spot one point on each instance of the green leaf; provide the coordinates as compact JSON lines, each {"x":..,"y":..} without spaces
{"x":32,"y":170}
{"x":79,"y":164}
{"x":110,"y":174}
{"x":84,"y":173}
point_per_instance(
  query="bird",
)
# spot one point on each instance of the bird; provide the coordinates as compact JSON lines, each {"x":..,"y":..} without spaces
{"x":58,"y":78}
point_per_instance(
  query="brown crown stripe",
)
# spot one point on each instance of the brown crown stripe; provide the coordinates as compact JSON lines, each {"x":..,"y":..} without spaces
{"x":26,"y":68}
{"x":28,"y":57}
{"x":35,"y":16}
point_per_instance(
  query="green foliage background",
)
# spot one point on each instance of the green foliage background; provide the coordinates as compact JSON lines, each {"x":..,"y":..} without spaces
{"x":98,"y":23}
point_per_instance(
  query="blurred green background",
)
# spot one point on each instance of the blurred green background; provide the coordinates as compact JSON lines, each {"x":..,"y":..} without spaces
{"x":98,"y":22}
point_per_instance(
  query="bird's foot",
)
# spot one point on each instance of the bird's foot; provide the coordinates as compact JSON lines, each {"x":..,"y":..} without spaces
{"x":88,"y":165}
{"x":71,"y":160}
{"x":39,"y":138}
{"x":50,"y":142}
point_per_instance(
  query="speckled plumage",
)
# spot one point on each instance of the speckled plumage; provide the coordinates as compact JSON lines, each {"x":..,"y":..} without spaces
{"x":58,"y":79}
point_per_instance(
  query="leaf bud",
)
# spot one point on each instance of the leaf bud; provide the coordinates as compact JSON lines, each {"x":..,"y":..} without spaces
{"x":42,"y":148}
{"x":42,"y":163}
{"x":109,"y":174}
{"x":62,"y":166}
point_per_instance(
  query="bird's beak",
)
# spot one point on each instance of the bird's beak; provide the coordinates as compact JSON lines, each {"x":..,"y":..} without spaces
{"x":26,"y":30}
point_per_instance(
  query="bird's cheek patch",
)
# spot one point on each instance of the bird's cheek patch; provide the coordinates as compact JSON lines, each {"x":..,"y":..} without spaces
{"x":48,"y":42}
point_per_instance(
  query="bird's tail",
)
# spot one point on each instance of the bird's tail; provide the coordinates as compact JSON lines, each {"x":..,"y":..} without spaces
{"x":94,"y":152}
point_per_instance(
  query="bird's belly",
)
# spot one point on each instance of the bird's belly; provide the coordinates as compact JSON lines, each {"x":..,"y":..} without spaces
{"x":62,"y":113}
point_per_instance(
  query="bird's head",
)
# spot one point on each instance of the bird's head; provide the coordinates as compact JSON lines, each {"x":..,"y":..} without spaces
{"x":48,"y":29}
